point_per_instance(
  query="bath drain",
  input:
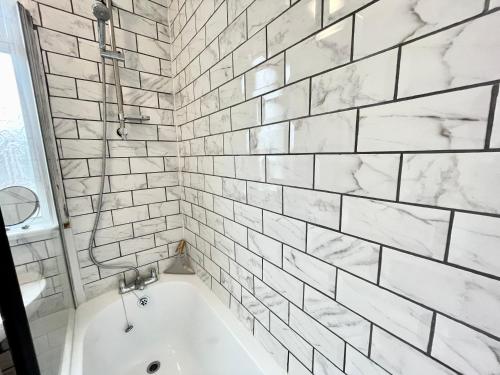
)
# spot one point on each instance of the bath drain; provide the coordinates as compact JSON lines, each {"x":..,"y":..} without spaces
{"x":143,"y":301}
{"x":153,"y":367}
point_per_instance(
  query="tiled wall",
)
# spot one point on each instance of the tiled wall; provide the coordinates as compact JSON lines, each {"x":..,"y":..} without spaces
{"x":340,"y":177}
{"x":141,"y":221}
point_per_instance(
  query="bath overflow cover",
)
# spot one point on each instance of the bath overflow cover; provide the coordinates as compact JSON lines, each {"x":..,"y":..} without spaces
{"x":153,"y":367}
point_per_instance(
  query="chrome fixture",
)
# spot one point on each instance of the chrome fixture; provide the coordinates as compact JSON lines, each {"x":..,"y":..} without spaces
{"x":138,"y":283}
{"x":103,"y":13}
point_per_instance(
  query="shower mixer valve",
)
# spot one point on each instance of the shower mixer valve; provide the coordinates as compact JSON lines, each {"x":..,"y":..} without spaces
{"x":139,"y":283}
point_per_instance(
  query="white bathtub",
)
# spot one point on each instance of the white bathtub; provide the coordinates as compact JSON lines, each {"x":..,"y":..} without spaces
{"x":184,"y":327}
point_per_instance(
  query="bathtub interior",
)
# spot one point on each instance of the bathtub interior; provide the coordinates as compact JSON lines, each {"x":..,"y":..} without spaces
{"x":176,"y":327}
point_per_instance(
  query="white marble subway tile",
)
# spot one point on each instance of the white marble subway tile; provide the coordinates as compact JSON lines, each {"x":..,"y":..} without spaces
{"x":357,"y":364}
{"x":495,"y":132}
{"x":464,"y":181}
{"x":233,"y":36}
{"x":114,"y":200}
{"x":474,"y":243}
{"x":364,"y":82}
{"x":256,"y":308}
{"x":149,"y":196}
{"x":247,"y":259}
{"x":405,"y":319}
{"x":282,"y":282}
{"x":144,"y":165}
{"x":334,"y":132}
{"x":231,"y":285}
{"x":114,"y":166}
{"x":164,"y":209}
{"x":224,"y":166}
{"x":113,"y":234}
{"x":262,"y":12}
{"x":295,"y":367}
{"x":285,"y":229}
{"x":271,"y":344}
{"x":151,"y":10}
{"x":236,"y":7}
{"x":271,"y":139}
{"x":219,"y":258}
{"x":234,"y":189}
{"x":292,"y":341}
{"x":340,"y":320}
{"x":469,"y":297}
{"x":272,"y":299}
{"x":65,"y":22}
{"x":76,"y":187}
{"x":209,"y":103}
{"x":391,"y":22}
{"x":463,"y":55}
{"x":65,"y":128}
{"x":127,"y":182}
{"x":335,"y":10}
{"x":61,"y":86}
{"x":464,"y":349}
{"x":419,"y":230}
{"x":455,"y":120}
{"x":266,"y":196}
{"x":250,"y":53}
{"x":145,"y":227}
{"x":249,"y":216}
{"x":323,"y":340}
{"x":220,"y":122}
{"x":265,"y":77}
{"x":153,"y":47}
{"x":216,"y":23}
{"x":242,"y":315}
{"x":204,"y":12}
{"x":325,"y":50}
{"x":78,"y":148}
{"x":286,"y":103}
{"x":241,"y":275}
{"x":399,"y":358}
{"x":222,"y":72}
{"x":236,"y":232}
{"x":232,"y":92}
{"x":310,"y":270}
{"x":296,"y":23}
{"x":130,"y":214}
{"x":224,"y":207}
{"x":127,"y":148}
{"x":361,"y":174}
{"x":214,"y":145}
{"x":74,"y":109}
{"x":237,"y":143}
{"x":246,"y":114}
{"x":213,"y":184}
{"x":72,"y":168}
{"x":294,"y":170}
{"x":349,"y":253}
{"x":312,"y":206}
{"x":145,"y":63}
{"x":251,"y":168}
{"x":54,"y":41}
{"x":266,"y":247}
{"x":322,"y":366}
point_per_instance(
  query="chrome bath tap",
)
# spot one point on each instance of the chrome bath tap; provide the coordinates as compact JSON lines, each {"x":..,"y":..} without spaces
{"x":139,"y":283}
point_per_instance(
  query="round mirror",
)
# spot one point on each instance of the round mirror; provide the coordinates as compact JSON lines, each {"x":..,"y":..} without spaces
{"x":18,"y":204}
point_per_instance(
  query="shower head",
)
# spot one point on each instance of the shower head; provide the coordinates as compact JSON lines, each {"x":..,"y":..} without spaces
{"x":102,"y":13}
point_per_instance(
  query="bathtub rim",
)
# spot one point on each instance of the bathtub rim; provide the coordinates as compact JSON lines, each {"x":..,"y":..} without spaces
{"x":87,"y":311}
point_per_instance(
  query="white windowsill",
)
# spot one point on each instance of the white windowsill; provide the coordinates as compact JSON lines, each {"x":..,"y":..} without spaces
{"x":35,"y":232}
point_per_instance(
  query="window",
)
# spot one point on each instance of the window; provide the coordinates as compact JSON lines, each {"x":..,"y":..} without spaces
{"x":22,"y":157}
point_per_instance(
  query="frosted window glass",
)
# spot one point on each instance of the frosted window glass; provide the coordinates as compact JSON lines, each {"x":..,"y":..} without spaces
{"x":15,"y":158}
